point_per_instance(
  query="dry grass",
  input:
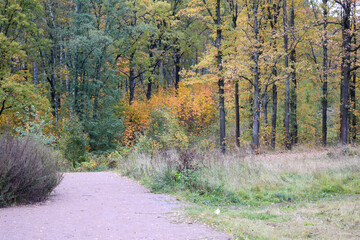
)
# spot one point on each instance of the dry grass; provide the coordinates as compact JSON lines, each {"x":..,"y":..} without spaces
{"x":304,"y":194}
{"x":290,"y":169}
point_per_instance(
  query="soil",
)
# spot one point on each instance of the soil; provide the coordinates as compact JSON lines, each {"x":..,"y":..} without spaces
{"x":101,"y":206}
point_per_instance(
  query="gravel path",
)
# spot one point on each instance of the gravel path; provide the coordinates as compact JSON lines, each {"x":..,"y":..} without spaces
{"x":100,"y":206}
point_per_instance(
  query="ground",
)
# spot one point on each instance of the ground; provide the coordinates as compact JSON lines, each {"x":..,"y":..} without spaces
{"x":101,"y":206}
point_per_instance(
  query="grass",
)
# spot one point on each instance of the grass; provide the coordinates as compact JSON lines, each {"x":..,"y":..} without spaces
{"x":292,"y":195}
{"x":330,"y":218}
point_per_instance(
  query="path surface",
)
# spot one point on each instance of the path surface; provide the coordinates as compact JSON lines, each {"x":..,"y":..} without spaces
{"x":100,"y":206}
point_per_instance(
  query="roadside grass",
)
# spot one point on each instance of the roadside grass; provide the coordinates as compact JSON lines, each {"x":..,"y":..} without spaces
{"x":330,"y":218}
{"x":291,"y":195}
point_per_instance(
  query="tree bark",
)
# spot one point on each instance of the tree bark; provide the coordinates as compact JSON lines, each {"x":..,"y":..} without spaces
{"x":353,"y":87}
{"x":177,"y":70}
{"x":274,"y":116}
{"x":287,"y":80}
{"x":293,"y":95}
{"x":256,"y":128}
{"x":221,"y":81}
{"x":273,"y":15}
{"x":131,"y":79}
{"x":325,"y":75}
{"x":345,"y":71}
{"x":150,"y":81}
{"x":237,"y":115}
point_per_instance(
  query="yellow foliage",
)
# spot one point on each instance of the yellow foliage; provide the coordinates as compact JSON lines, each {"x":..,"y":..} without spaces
{"x":194,"y":107}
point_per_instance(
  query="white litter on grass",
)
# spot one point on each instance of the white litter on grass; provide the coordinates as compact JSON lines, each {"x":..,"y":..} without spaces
{"x":217,"y":211}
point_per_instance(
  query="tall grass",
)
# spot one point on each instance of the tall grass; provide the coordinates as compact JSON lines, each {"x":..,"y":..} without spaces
{"x":235,"y":178}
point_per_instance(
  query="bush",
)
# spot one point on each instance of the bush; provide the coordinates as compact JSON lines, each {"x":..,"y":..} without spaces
{"x":164,"y":133}
{"x":74,"y":142}
{"x":28,"y":171}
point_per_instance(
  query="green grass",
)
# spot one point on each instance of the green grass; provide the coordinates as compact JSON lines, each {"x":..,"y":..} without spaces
{"x":330,"y":218}
{"x":259,"y":195}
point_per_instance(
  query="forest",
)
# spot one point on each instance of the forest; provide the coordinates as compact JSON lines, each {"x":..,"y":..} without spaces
{"x":246,"y":107}
{"x":264,"y":74}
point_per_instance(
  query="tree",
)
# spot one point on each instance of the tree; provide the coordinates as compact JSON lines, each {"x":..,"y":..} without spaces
{"x":212,"y":10}
{"x":18,"y":33}
{"x":348,"y":34}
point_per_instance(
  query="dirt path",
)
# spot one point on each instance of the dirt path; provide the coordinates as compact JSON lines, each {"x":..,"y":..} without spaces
{"x":100,"y":206}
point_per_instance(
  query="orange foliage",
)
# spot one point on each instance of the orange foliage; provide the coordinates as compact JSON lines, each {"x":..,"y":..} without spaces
{"x":193,"y":105}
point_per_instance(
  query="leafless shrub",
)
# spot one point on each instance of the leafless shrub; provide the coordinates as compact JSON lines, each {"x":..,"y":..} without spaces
{"x":28,"y":171}
{"x":187,"y":160}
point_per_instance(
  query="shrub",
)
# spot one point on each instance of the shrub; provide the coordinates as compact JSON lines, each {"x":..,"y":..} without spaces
{"x":105,"y":129}
{"x":74,"y":142}
{"x":164,"y":133}
{"x":28,"y":171}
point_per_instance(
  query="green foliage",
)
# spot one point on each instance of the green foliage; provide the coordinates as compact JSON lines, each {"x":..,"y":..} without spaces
{"x":164,"y":133}
{"x":105,"y":130}
{"x":35,"y":129}
{"x":100,"y":162}
{"x":74,"y":142}
{"x":28,"y":171}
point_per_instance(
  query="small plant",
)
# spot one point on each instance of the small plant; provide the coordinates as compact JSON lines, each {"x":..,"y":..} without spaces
{"x":186,"y":160}
{"x":28,"y":171}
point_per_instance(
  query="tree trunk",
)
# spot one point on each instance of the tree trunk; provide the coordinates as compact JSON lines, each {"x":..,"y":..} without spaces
{"x":353,"y":87}
{"x":287,"y":80}
{"x":325,"y":75}
{"x":273,"y":23}
{"x":131,"y":79}
{"x":293,"y":95}
{"x":177,"y":70}
{"x":345,"y":72}
{"x":353,"y":104}
{"x":266,"y":119}
{"x":52,"y":82}
{"x":35,"y":73}
{"x":221,"y":82}
{"x":274,"y":116}
{"x":256,"y":128}
{"x":237,"y":113}
{"x":150,"y":81}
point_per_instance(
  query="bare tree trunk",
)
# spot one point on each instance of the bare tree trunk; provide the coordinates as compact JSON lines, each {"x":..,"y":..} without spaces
{"x":325,"y":75}
{"x":177,"y":70}
{"x":256,"y":128}
{"x":237,"y":113}
{"x":131,"y":79}
{"x":221,"y":82}
{"x":287,"y":80}
{"x":353,"y":103}
{"x":353,"y":87}
{"x":150,"y":81}
{"x":345,"y":71}
{"x":52,"y":82}
{"x":273,"y":15}
{"x":274,"y":116}
{"x":293,"y":95}
{"x":35,"y":73}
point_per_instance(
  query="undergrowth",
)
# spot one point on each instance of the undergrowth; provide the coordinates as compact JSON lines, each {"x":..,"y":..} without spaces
{"x":216,"y":179}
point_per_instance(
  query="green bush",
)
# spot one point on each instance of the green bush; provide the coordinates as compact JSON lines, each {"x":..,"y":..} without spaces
{"x":28,"y":171}
{"x":74,"y":142}
{"x":105,"y":129}
{"x":164,"y":133}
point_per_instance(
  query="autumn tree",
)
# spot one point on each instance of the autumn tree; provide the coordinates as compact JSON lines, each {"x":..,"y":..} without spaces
{"x":348,"y":33}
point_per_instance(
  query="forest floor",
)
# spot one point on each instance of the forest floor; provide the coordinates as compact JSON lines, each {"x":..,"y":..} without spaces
{"x":101,"y":206}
